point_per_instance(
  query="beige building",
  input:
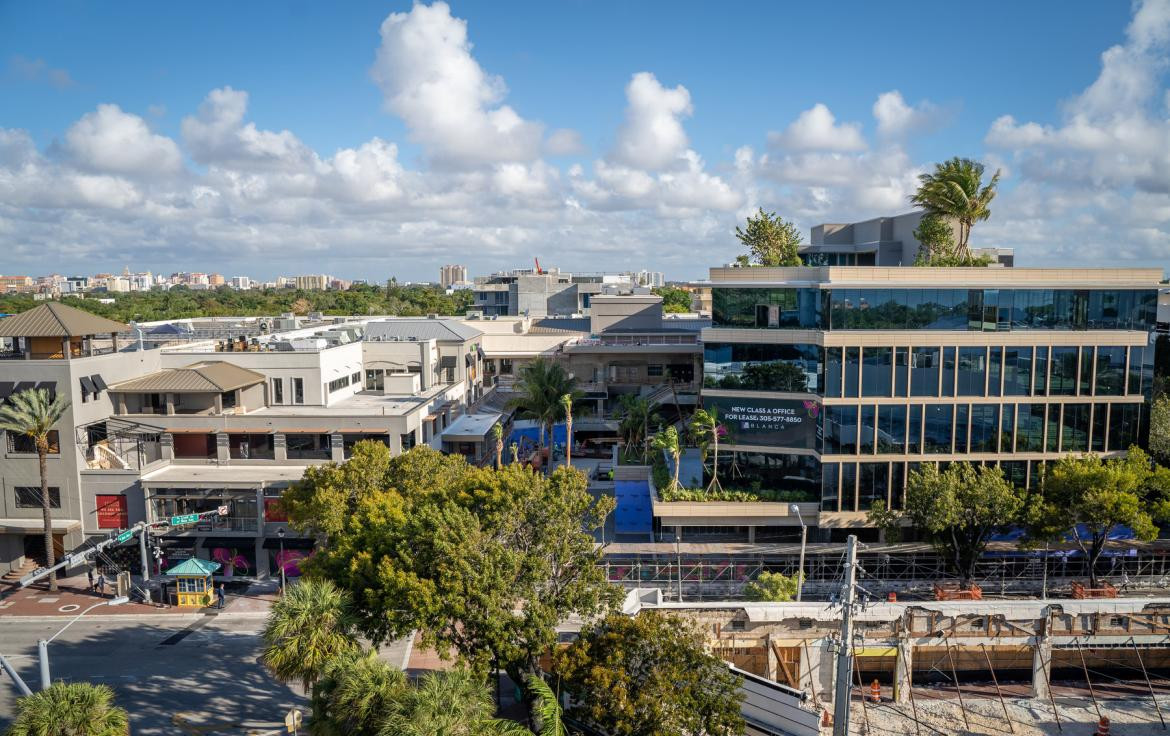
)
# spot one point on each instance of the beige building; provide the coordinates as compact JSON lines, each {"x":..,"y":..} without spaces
{"x":312,"y":282}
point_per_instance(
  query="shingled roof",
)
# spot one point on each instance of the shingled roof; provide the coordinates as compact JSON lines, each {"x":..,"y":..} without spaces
{"x":214,"y":376}
{"x":53,"y":319}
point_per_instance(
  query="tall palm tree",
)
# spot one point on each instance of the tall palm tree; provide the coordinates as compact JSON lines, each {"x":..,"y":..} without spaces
{"x":955,"y":190}
{"x":312,"y":624}
{"x":498,"y":436}
{"x":542,"y":384}
{"x":70,"y":709}
{"x":548,"y":710}
{"x":636,"y":415}
{"x":356,"y":694}
{"x":669,"y":441}
{"x":567,"y":409}
{"x":705,"y":425}
{"x":454,"y":703}
{"x":33,"y":413}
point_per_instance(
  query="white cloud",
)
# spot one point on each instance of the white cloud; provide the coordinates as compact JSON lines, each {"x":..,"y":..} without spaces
{"x":652,"y":135}
{"x":816,"y":129}
{"x":217,"y":134}
{"x":111,"y":140}
{"x":896,"y":119}
{"x":564,"y":142}
{"x":37,"y":70}
{"x":451,"y":105}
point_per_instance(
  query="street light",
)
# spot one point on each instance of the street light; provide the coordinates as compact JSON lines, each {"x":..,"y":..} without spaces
{"x":43,"y":645}
{"x":793,"y":508}
{"x":280,"y":560}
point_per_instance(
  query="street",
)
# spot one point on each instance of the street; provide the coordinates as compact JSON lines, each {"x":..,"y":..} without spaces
{"x":207,"y":668}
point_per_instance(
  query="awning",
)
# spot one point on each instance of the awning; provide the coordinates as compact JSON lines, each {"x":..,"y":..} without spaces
{"x":87,"y":385}
{"x":359,"y":430}
{"x":256,"y":430}
{"x":299,"y":430}
{"x":37,"y":525}
{"x":99,"y":382}
{"x":290,"y":543}
{"x":468,"y":359}
{"x":194,"y":567}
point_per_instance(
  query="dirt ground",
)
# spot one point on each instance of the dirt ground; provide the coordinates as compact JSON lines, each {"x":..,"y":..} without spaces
{"x":1128,"y":717}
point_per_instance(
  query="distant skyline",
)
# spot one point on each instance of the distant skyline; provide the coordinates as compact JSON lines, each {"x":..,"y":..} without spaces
{"x":369,"y":140}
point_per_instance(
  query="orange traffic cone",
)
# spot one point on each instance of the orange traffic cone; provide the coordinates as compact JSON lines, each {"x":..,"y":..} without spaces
{"x":1102,"y":727}
{"x":875,"y":692}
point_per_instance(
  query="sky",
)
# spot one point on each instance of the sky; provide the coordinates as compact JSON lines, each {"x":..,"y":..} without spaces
{"x":369,"y":140}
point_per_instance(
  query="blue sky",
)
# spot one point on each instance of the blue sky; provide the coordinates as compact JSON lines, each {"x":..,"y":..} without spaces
{"x":621,"y":191}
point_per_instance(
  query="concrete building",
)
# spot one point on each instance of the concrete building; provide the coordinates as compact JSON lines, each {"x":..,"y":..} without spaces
{"x":882,"y":241}
{"x":546,"y":293}
{"x":835,"y":382}
{"x":452,"y":273}
{"x":312,"y":282}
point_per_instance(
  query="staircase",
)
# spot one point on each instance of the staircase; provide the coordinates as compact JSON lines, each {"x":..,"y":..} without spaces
{"x":14,"y":575}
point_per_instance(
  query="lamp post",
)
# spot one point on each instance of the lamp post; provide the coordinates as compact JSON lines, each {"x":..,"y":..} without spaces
{"x":43,"y":645}
{"x":280,"y":560}
{"x":793,"y":508}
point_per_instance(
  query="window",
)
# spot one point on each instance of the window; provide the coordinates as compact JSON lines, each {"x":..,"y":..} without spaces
{"x":29,"y":497}
{"x":408,"y":440}
{"x":874,"y":485}
{"x":1075,"y":428}
{"x":1110,"y":379}
{"x":994,"y":370}
{"x":891,"y":431}
{"x":985,"y":428}
{"x":848,"y":486}
{"x":298,"y":390}
{"x":335,"y":385}
{"x":901,"y":371}
{"x":307,"y":446}
{"x":654,"y":370}
{"x":356,"y":378}
{"x":829,"y":483}
{"x":22,"y":444}
{"x":1063,"y":381}
{"x":766,"y":308}
{"x":1100,"y":416}
{"x":866,"y":429}
{"x":897,"y":486}
{"x":251,"y":446}
{"x":277,"y":390}
{"x":924,"y":366}
{"x":505,"y":366}
{"x":1040,"y":372}
{"x":962,"y":412}
{"x":1030,"y":427}
{"x":1135,"y":371}
{"x":1123,"y":422}
{"x":1017,"y":371}
{"x":1086,"y":372}
{"x":833,"y":372}
{"x":763,"y":367}
{"x":840,"y":430}
{"x":852,"y":371}
{"x":876,"y":371}
{"x":914,"y":439}
{"x":972,"y":371}
{"x":1007,"y":428}
{"x":937,"y":428}
{"x":948,"y":371}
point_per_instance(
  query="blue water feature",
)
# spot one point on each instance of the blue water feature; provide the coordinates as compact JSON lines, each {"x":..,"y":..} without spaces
{"x":633,"y":514}
{"x":527,"y":435}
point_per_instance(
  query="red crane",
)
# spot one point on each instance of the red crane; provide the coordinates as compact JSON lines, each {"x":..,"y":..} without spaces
{"x":538,"y":271}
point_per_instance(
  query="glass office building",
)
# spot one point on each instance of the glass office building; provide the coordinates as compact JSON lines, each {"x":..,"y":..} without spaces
{"x":834,"y":383}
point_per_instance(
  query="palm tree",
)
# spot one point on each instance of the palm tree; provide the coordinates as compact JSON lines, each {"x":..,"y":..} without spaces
{"x":70,"y":709}
{"x":637,"y":414}
{"x":308,"y":627}
{"x":515,"y":448}
{"x":356,"y":694}
{"x":668,"y":440}
{"x":955,"y":190}
{"x":33,"y":413}
{"x":548,"y":711}
{"x":567,"y":408}
{"x":498,"y":436}
{"x":542,"y":384}
{"x":705,"y":425}
{"x":454,"y":703}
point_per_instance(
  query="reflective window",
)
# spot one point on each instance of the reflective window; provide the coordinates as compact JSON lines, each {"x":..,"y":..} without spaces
{"x":1030,"y":428}
{"x":901,"y":371}
{"x":833,"y":372}
{"x":848,"y":486}
{"x":937,"y":428}
{"x":924,"y":367}
{"x":897,"y":485}
{"x":985,"y":428}
{"x":1123,"y":423}
{"x":891,"y":430}
{"x":1017,"y":371}
{"x":852,"y":371}
{"x":866,"y":429}
{"x":755,"y":367}
{"x":1100,"y":421}
{"x":962,"y":419}
{"x":876,"y":371}
{"x":1086,"y":383}
{"x":873,"y":484}
{"x":972,"y":372}
{"x":1075,"y":428}
{"x":1110,"y":379}
{"x":1052,"y":428}
{"x":914,"y":425}
{"x":1016,"y":472}
{"x":1063,"y":378}
{"x":766,"y":308}
{"x":797,"y":477}
{"x":1135,"y":371}
{"x":994,"y":370}
{"x":1040,"y":374}
{"x":829,"y":483}
{"x":948,"y":371}
{"x":840,"y":433}
{"x":1007,"y":427}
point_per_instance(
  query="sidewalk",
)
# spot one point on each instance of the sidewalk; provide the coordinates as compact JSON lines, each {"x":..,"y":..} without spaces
{"x":73,"y":597}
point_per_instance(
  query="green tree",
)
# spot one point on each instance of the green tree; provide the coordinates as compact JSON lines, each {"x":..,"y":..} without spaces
{"x":635,"y":415}
{"x":1160,"y":429}
{"x":1090,"y":497}
{"x":669,"y":442}
{"x":706,"y":428}
{"x":955,"y":190}
{"x":498,"y":437}
{"x":540,"y":388}
{"x":454,"y":703}
{"x":308,"y":627}
{"x":567,"y":412}
{"x":70,"y":709}
{"x":33,"y":413}
{"x":482,"y":563}
{"x":326,"y":493}
{"x":957,"y":510}
{"x":356,"y":694}
{"x":937,"y":238}
{"x":674,"y":299}
{"x":648,"y":675}
{"x":770,"y":240}
{"x":772,"y":586}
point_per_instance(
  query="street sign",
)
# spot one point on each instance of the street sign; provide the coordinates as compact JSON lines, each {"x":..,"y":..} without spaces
{"x":222,"y":510}
{"x":129,"y":533}
{"x":292,"y":720}
{"x":184,"y":519}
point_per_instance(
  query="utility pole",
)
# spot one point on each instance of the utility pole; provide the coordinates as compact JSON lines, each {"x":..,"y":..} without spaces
{"x":842,"y":692}
{"x":145,"y":559}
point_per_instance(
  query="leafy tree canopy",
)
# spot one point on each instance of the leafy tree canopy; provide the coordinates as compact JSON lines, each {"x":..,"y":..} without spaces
{"x":955,"y":190}
{"x":674,"y":300}
{"x":773,"y":586}
{"x":770,"y":240}
{"x":648,"y":675}
{"x":70,"y":709}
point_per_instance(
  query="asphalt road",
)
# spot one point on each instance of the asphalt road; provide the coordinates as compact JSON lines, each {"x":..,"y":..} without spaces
{"x":208,"y":669}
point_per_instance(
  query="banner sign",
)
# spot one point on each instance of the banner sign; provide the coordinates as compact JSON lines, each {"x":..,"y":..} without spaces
{"x":781,"y":423}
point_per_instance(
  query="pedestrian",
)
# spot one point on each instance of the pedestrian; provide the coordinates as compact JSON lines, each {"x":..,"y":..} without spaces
{"x":101,"y":584}
{"x":89,"y":574}
{"x":220,"y":596}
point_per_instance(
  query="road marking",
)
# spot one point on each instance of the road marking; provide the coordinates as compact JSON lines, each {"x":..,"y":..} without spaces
{"x":49,"y":599}
{"x":69,"y":608}
{"x":181,"y":635}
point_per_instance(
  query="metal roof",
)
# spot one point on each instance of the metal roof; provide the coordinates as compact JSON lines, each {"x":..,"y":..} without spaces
{"x":213,"y":376}
{"x":420,"y":329}
{"x":194,"y":567}
{"x":53,"y":319}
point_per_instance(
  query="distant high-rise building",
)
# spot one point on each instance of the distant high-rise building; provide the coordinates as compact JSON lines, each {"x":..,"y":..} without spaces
{"x":312,"y":282}
{"x":653,"y":279}
{"x":452,"y":273}
{"x":241,"y":282}
{"x":215,"y":279}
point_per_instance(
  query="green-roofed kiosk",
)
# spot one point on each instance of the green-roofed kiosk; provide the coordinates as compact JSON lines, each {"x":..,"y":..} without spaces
{"x":193,"y":582}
